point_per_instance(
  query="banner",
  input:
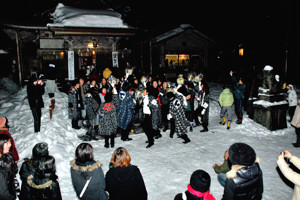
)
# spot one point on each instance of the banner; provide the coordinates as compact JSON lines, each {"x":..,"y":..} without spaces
{"x":71,"y":69}
{"x":115,"y":59}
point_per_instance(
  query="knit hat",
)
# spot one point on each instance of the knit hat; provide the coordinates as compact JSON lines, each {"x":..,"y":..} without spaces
{"x":200,"y":181}
{"x":2,"y":122}
{"x":241,"y":154}
{"x":40,"y":150}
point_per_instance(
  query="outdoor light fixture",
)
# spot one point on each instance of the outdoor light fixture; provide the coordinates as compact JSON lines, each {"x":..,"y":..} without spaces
{"x":241,"y":51}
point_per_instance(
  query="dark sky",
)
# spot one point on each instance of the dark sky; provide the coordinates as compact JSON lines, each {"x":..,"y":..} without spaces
{"x":263,"y":27}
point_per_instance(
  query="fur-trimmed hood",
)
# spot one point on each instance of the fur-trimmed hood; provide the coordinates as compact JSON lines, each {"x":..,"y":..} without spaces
{"x":235,"y":168}
{"x":88,"y":168}
{"x":45,"y":185}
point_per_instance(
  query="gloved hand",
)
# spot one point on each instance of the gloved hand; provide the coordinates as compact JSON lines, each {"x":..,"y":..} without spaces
{"x":203,"y":111}
{"x":169,"y":116}
{"x":154,"y":102}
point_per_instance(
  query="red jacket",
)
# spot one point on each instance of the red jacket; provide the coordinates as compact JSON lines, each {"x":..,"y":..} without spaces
{"x":14,"y":149}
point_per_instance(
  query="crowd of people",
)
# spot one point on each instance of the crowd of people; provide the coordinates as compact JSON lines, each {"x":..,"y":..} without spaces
{"x":115,"y":105}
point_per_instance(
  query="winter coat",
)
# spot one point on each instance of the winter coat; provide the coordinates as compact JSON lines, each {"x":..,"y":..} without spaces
{"x":177,"y":111}
{"x":28,"y":167}
{"x":291,"y":175}
{"x":73,"y":109}
{"x":292,"y":96}
{"x":204,"y":100}
{"x":224,"y":168}
{"x":226,"y":98}
{"x":239,"y":89}
{"x":108,"y":118}
{"x":125,"y":183}
{"x":13,"y":146}
{"x":34,"y":93}
{"x":125,"y":110}
{"x":244,"y":182}
{"x":46,"y":187}
{"x":296,"y":118}
{"x":81,"y":172}
{"x":155,"y":113}
{"x":8,"y":170}
{"x":92,"y":107}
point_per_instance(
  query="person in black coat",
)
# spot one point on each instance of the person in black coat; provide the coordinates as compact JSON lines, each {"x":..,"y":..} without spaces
{"x":84,"y":168}
{"x":29,"y":166}
{"x":245,"y":179}
{"x":43,"y":184}
{"x":8,"y":169}
{"x":35,"y":90}
{"x":123,"y":180}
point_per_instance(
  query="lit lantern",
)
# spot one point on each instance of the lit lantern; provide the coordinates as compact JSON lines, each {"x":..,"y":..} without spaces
{"x":241,"y":51}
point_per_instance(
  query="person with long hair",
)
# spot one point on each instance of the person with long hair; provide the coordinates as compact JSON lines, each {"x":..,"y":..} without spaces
{"x":87,"y":173}
{"x":123,"y":180}
{"x":8,"y":169}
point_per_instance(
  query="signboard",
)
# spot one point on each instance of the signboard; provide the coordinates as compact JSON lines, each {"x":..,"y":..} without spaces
{"x":115,"y":59}
{"x":52,"y":43}
{"x":71,"y":69}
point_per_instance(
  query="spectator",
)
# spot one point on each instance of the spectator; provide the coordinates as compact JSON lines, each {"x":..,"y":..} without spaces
{"x":29,"y":166}
{"x":239,"y":95}
{"x":123,"y":180}
{"x":203,"y":108}
{"x":86,"y":172}
{"x":291,"y":175}
{"x":292,"y":100}
{"x":226,"y":101}
{"x":74,"y":106}
{"x":198,"y":187}
{"x":43,"y":184}
{"x":35,"y":90}
{"x":245,"y":179}
{"x":82,"y":90}
{"x":4,"y":128}
{"x":222,"y":169}
{"x":8,"y":169}
{"x":296,"y":123}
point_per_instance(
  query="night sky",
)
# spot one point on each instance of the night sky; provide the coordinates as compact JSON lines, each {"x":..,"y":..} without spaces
{"x":265,"y":28}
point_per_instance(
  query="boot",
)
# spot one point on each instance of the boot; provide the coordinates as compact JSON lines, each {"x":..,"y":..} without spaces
{"x":165,"y":127}
{"x":297,"y":144}
{"x":239,"y":120}
{"x":185,"y":138}
{"x":223,"y":122}
{"x":228,"y":125}
{"x":157,"y":134}
{"x":205,"y":129}
{"x":106,"y":141}
{"x":75,"y":124}
{"x":112,"y":141}
{"x":191,"y":126}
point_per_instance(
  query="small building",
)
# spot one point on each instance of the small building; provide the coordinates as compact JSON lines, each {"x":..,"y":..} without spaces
{"x":181,"y":50}
{"x":95,"y":38}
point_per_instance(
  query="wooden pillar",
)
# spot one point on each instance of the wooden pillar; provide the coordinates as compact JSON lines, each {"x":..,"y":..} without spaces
{"x":19,"y":58}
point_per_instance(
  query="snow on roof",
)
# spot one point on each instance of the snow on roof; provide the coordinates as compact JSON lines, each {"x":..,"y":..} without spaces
{"x":268,"y":68}
{"x":3,"y":51}
{"x":176,"y":31}
{"x":65,"y":16}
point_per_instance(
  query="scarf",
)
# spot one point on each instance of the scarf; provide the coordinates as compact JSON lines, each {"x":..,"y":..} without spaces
{"x":205,"y":195}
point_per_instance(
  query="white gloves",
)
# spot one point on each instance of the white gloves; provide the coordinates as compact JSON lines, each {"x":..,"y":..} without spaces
{"x":169,"y":116}
{"x":203,"y":111}
{"x":154,"y":102}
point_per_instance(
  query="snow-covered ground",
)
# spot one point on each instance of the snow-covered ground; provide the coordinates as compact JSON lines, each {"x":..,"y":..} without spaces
{"x":167,"y":166}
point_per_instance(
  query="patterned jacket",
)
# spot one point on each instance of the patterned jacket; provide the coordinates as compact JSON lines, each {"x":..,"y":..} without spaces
{"x":177,"y":111}
{"x":125,"y":109}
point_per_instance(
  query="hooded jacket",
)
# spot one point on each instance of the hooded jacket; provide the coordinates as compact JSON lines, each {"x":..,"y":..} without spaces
{"x":125,"y":110}
{"x":244,"y":183}
{"x":226,"y":98}
{"x":81,"y":172}
{"x":8,"y":170}
{"x":292,"y":96}
{"x":125,"y":183}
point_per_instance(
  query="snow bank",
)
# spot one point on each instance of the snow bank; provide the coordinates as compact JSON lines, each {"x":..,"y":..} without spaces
{"x":8,"y":86}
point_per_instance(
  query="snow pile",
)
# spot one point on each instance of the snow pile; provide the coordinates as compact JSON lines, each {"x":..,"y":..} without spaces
{"x":8,"y":86}
{"x":268,"y":68}
{"x":166,"y":167}
{"x":65,"y":16}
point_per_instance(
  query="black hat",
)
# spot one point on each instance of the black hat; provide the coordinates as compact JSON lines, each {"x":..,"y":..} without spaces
{"x":200,"y":181}
{"x":241,"y":154}
{"x":40,"y":150}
